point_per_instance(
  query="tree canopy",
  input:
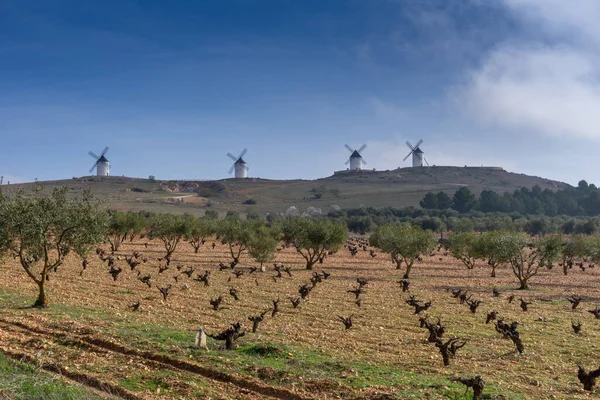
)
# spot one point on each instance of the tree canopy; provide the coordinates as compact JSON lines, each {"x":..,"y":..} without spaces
{"x":237,"y":234}
{"x":464,"y":247}
{"x":170,"y":229}
{"x":41,"y":229}
{"x":404,"y":243}
{"x":122,"y":224}
{"x":262,"y":244}
{"x":199,"y":230}
{"x":313,"y":238}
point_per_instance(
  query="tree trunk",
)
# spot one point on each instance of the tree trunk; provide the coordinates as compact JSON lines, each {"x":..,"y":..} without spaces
{"x":565,"y":268}
{"x":42,"y":300}
{"x":196,"y":248}
{"x":408,"y":268}
{"x":523,"y":282}
{"x":493,"y":272}
{"x":309,"y":264}
{"x":398,"y":263}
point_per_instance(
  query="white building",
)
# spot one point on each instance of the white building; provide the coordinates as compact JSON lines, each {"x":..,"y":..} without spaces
{"x":241,"y":168}
{"x":356,"y":161}
{"x":103,"y":167}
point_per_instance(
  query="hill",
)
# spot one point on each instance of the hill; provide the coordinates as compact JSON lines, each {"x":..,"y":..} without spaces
{"x":395,"y":188}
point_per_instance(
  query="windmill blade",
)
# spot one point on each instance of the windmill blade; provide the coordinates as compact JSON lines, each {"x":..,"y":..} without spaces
{"x":104,"y":151}
{"x":243,"y":153}
{"x":232,"y":157}
{"x":231,"y":169}
{"x":410,"y":146}
{"x":364,"y":161}
{"x":407,"y":155}
{"x":424,"y":159}
{"x":364,"y":146}
{"x":419,"y":143}
{"x":94,"y":166}
{"x":347,"y":162}
{"x":349,"y":148}
{"x":94,"y":155}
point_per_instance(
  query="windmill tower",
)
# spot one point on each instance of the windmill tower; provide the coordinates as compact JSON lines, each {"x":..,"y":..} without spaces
{"x":417,"y":153}
{"x":102,"y":165}
{"x":356,"y":161}
{"x":239,"y":165}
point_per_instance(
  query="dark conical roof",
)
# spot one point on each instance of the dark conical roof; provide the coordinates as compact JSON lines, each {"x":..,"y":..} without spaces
{"x":240,"y":161}
{"x":418,"y":150}
{"x":355,"y":154}
{"x":102,"y":159}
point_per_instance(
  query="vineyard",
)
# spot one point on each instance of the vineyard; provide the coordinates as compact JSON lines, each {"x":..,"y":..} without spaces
{"x":91,"y":334}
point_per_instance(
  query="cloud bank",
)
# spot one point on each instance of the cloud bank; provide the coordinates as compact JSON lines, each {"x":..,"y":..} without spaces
{"x":547,"y":84}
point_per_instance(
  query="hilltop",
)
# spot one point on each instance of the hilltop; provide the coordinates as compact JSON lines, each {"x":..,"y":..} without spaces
{"x":395,"y":188}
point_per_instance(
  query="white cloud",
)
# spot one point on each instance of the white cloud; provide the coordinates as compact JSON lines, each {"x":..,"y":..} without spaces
{"x":552,"y":89}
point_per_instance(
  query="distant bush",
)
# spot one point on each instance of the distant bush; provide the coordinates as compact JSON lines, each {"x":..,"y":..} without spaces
{"x":209,"y":189}
{"x":253,"y":216}
{"x":249,"y":201}
{"x":211,"y":214}
{"x":205,"y":192}
{"x":152,"y":178}
{"x":139,"y":190}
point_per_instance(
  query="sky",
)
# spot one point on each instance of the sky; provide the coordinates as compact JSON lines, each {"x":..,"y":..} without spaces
{"x":172,"y":86}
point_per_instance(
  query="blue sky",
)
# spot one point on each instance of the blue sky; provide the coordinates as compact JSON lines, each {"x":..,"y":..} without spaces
{"x":172,"y":86}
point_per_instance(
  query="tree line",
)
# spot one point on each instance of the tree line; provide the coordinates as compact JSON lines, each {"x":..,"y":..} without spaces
{"x":583,"y":200}
{"x":366,"y":219}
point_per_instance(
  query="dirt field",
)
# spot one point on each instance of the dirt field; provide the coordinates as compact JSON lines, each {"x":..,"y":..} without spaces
{"x":90,"y":335}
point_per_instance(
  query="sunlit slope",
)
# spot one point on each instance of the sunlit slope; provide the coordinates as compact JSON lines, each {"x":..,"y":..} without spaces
{"x":396,"y":188}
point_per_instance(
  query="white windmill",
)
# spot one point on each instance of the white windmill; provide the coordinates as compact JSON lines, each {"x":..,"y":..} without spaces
{"x":356,"y":161}
{"x":417,"y":153}
{"x":102,"y":165}
{"x":239,"y":165}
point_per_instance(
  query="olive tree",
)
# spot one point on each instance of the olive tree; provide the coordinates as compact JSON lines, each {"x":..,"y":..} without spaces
{"x":403,"y":243}
{"x":463,"y":247}
{"x":490,"y":246}
{"x":527,"y":255}
{"x":262,"y":245}
{"x":199,"y":230}
{"x":314,"y":238}
{"x":41,"y":229}
{"x":236,"y":234}
{"x":170,"y":229}
{"x":123,"y":224}
{"x":577,"y":246}
{"x":592,"y":248}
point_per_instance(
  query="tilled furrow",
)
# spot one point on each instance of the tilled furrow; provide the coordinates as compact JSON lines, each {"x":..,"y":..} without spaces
{"x":162,"y":360}
{"x":51,"y":352}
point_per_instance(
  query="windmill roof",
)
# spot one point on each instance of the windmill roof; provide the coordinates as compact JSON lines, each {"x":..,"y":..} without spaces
{"x":240,"y":161}
{"x":102,"y":159}
{"x":355,"y":154}
{"x":418,"y":150}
